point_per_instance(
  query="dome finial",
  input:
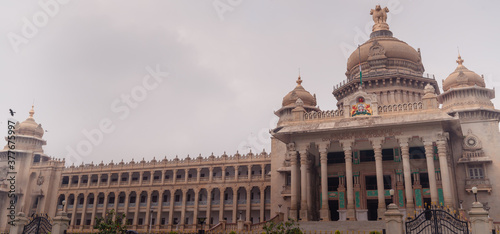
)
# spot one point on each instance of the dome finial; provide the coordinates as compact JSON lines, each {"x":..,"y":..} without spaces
{"x":379,"y":18}
{"x":299,"y":81}
{"x":32,"y":111}
{"x":460,"y":60}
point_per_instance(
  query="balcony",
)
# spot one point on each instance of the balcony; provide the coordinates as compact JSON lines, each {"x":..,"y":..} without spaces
{"x":242,"y":201}
{"x":64,"y":185}
{"x":154,"y":203}
{"x":255,"y":201}
{"x":228,"y":202}
{"x":131,"y":205}
{"x":144,"y":204}
{"x":190,"y":203}
{"x":230,"y":177}
{"x":474,"y":157}
{"x":480,"y":184}
{"x":111,"y":205}
{"x":177,"y":203}
{"x":203,"y":202}
{"x":215,"y":202}
{"x":164,"y":204}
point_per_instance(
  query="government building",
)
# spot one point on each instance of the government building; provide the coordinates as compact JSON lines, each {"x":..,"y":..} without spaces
{"x":394,"y":129}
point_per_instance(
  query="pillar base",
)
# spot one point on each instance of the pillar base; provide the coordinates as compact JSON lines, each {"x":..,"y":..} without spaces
{"x":304,"y":215}
{"x":293,"y":214}
{"x":324,"y":214}
{"x":361,"y":215}
{"x":342,"y":215}
{"x":380,"y":213}
{"x":350,"y":215}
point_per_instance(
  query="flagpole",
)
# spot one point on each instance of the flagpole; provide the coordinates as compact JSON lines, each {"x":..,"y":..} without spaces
{"x":360,"y":73}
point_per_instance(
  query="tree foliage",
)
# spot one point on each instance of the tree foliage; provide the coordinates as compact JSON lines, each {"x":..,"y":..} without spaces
{"x":109,"y":225}
{"x":288,"y":227}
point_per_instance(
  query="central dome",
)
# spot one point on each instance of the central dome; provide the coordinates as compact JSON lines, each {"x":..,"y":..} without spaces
{"x":383,"y":51}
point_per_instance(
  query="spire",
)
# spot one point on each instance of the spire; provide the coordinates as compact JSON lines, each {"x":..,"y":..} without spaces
{"x":299,"y":81}
{"x":32,"y":111}
{"x":460,"y":60}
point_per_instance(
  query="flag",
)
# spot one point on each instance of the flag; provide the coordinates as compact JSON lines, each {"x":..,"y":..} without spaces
{"x":360,"y":73}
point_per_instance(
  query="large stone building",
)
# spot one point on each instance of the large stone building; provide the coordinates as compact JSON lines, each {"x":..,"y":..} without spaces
{"x":393,"y":129}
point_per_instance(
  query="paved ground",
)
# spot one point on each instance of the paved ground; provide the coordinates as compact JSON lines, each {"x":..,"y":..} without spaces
{"x":343,"y":226}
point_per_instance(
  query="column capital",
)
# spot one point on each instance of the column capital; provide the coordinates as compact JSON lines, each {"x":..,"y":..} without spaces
{"x":377,"y":142}
{"x":403,"y":140}
{"x":347,"y":144}
{"x":428,"y":142}
{"x":443,"y":136}
{"x":290,"y":147}
{"x":323,"y":146}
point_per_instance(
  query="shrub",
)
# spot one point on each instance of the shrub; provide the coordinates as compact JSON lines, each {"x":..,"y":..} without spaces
{"x":288,"y":227}
{"x":107,"y":225}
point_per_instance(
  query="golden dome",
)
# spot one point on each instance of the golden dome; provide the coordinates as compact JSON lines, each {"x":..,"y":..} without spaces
{"x":299,"y":92}
{"x":29,"y":127}
{"x":383,"y":46}
{"x":462,"y":77}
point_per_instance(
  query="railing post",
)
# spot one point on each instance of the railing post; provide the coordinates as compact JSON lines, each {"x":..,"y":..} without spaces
{"x":479,"y":218}
{"x":61,"y":223}
{"x":393,"y":219}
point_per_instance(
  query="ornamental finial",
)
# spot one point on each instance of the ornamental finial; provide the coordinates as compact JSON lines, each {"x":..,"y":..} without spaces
{"x":379,"y":18}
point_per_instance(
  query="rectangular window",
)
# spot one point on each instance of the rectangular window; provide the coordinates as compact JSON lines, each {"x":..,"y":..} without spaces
{"x":140,"y":222}
{"x":333,"y":183}
{"x":417,"y":152}
{"x":165,"y":198}
{"x":335,"y":157}
{"x":387,"y":182}
{"x":366,"y":156}
{"x":371,"y":182}
{"x":178,"y":176}
{"x":424,"y":180}
{"x":476,"y":172}
{"x":387,"y":154}
{"x":177,"y":198}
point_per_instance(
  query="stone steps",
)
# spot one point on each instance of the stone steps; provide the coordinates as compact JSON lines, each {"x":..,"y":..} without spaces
{"x":343,"y":226}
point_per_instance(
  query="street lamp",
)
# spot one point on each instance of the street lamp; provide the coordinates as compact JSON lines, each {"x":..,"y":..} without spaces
{"x":201,"y":221}
{"x":474,"y":190}
{"x":63,"y":203}
{"x":392,"y":194}
{"x":279,"y":208}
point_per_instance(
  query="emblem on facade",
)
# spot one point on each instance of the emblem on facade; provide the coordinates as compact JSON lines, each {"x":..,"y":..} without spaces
{"x":40,"y":179}
{"x":361,"y":108}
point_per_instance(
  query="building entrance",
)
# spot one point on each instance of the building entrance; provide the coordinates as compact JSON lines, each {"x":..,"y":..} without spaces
{"x":334,"y":206}
{"x":372,"y":206}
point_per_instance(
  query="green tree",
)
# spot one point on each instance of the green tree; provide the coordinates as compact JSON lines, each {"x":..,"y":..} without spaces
{"x":288,"y":227}
{"x":108,"y":225}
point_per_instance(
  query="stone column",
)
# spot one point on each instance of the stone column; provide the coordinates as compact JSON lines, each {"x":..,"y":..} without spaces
{"x":236,"y":168}
{"x":183,"y":209}
{"x":84,"y":210}
{"x":262,"y":203}
{"x":221,"y":204}
{"x":263,"y":171}
{"x":94,"y":210}
{"x":171,"y":208}
{"x":393,"y":220}
{"x":350,"y":215}
{"x":209,"y":206}
{"x":445,"y":174}
{"x":136,"y":212}
{"x":304,"y":214}
{"x":429,"y":155}
{"x":163,"y":173}
{"x":249,"y":202}
{"x":65,"y":207}
{"x":377,"y":148}
{"x":125,"y":209}
{"x":479,"y":219}
{"x":158,"y":213}
{"x":325,"y":210}
{"x":410,"y":207}
{"x":294,"y":186}
{"x":308,"y":188}
{"x":195,"y":211}
{"x":73,"y":213}
{"x":223,"y":173}
{"x":174,"y":177}
{"x":235,"y":204}
{"x":198,"y":173}
{"x":210,"y":176}
{"x":148,"y":208}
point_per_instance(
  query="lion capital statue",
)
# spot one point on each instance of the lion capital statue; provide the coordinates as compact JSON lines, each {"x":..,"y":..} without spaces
{"x":380,"y":18}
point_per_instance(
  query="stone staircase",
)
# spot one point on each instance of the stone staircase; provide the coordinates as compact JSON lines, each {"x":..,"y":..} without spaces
{"x":344,"y":227}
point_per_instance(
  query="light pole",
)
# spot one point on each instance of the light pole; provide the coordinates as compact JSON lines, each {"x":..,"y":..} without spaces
{"x":279,"y":208}
{"x":474,"y":190}
{"x":392,"y":195}
{"x":201,"y":221}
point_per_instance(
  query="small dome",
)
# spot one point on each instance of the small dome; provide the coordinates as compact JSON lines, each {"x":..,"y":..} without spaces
{"x":29,"y":127}
{"x":299,"y":92}
{"x":462,"y":77}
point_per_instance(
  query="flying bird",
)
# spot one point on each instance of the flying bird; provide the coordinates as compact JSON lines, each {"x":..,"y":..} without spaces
{"x":12,"y":112}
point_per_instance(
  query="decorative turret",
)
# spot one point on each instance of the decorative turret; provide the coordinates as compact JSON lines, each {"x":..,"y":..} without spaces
{"x":465,"y":90}
{"x":298,"y":97}
{"x":29,"y":135}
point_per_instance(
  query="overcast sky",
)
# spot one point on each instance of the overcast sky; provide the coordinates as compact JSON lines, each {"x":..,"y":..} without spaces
{"x":229,"y":64}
